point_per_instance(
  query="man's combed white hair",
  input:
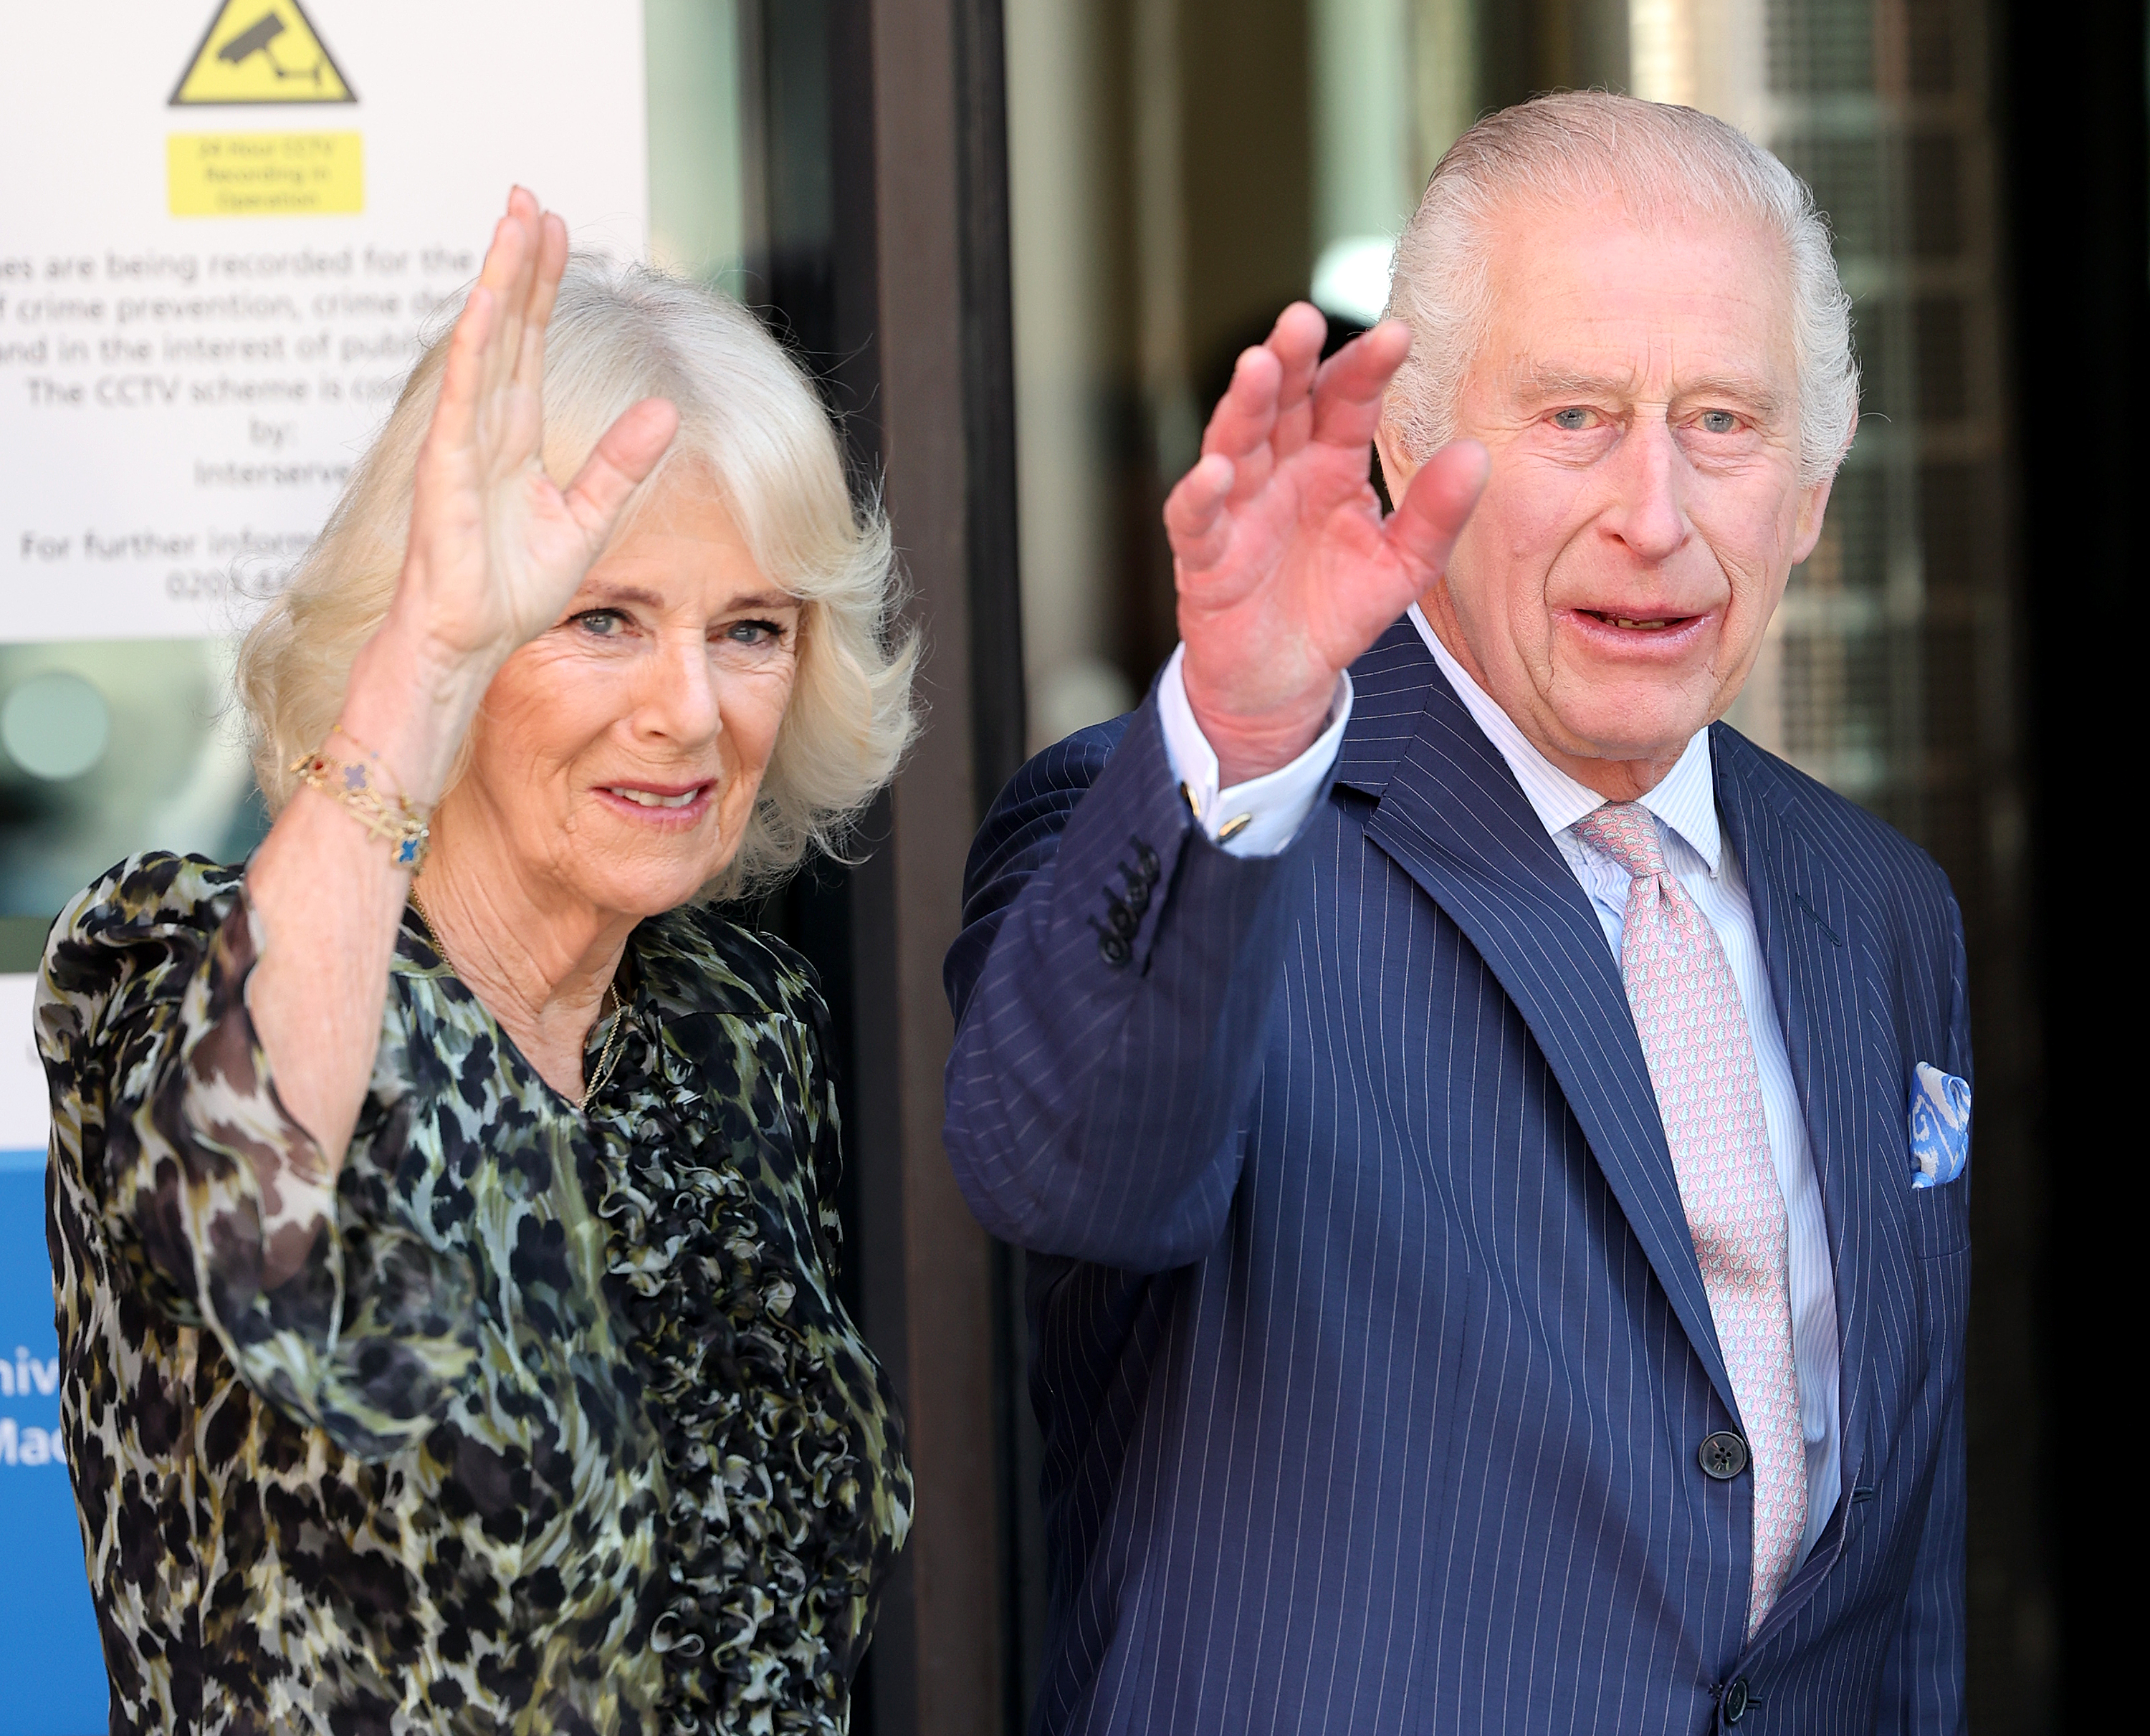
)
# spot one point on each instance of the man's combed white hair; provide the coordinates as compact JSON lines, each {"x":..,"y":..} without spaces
{"x":1576,"y":147}
{"x":749,"y":424}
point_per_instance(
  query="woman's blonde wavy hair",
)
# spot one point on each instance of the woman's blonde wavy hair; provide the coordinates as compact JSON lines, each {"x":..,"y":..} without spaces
{"x":750,"y":417}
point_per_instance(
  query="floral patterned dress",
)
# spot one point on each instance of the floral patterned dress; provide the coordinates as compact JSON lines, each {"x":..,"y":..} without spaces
{"x":531,"y":1421}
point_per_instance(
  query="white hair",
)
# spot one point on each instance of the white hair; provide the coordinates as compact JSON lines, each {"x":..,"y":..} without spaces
{"x":1574,"y":148}
{"x":750,"y":419}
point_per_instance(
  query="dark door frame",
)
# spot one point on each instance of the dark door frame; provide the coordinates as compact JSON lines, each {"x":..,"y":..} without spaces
{"x":888,"y":118}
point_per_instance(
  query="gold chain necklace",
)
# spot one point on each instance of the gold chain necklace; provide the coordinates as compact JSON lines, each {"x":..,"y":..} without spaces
{"x":608,"y":1058}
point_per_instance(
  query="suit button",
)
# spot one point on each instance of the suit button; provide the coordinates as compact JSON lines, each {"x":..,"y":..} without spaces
{"x":1722,"y":1455}
{"x":1737,"y":1698}
{"x":1114,"y":950}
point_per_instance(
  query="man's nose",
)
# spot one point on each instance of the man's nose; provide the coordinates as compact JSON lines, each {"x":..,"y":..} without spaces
{"x":1650,"y":513}
{"x":676,"y":696}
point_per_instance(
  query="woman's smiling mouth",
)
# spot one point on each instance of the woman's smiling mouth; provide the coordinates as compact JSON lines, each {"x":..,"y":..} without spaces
{"x":666,"y":804}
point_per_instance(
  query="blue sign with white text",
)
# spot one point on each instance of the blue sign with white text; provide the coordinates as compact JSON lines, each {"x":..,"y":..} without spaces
{"x":48,"y":1651}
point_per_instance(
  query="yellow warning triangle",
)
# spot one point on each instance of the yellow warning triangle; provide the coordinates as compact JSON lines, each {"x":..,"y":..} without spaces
{"x":262,"y":51}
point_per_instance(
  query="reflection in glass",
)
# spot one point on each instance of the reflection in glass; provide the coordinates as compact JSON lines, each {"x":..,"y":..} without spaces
{"x":173,"y":775}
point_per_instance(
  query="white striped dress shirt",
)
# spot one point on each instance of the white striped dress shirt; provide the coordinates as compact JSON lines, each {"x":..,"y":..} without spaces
{"x":1685,"y":807}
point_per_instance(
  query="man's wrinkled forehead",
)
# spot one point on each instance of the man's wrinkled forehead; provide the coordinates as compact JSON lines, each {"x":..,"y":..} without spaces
{"x":1599,"y":299}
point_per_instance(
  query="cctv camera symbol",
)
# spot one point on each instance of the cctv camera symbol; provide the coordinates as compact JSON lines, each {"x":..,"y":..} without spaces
{"x":255,"y":39}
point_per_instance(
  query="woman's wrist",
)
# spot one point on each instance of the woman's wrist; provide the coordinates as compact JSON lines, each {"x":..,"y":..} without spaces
{"x":411,"y":704}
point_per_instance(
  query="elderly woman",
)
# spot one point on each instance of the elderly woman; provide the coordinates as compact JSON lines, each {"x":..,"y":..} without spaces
{"x":442,"y":1204}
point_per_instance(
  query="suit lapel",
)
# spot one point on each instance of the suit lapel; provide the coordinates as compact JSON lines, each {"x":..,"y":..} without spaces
{"x":1813,"y":940}
{"x":1451,"y":814}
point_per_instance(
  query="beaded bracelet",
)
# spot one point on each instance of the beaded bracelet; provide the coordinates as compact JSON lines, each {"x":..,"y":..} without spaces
{"x":356,"y":783}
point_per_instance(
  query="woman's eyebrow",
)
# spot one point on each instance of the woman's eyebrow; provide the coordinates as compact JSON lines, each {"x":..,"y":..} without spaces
{"x":601,"y":594}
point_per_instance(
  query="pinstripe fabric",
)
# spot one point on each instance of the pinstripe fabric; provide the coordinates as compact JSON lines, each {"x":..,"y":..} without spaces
{"x":1371,"y":1352}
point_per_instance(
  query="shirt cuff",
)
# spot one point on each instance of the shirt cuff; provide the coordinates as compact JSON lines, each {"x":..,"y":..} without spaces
{"x":1260,"y":817}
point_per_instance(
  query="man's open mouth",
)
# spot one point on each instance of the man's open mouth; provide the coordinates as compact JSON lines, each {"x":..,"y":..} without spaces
{"x":1637,"y":623}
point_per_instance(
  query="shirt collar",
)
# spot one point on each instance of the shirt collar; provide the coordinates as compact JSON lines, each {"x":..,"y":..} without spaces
{"x":1685,"y":799}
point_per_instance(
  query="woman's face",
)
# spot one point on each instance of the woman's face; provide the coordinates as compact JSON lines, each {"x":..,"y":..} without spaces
{"x":618,"y":754}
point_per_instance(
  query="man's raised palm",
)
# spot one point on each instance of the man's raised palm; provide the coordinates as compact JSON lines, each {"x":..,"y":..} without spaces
{"x":1286,"y":569}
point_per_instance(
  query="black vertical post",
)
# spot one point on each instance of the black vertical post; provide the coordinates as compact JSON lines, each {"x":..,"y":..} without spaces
{"x":2072,"y":81}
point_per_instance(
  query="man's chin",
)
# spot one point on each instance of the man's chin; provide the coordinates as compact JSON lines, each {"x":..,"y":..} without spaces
{"x":1629,"y":727}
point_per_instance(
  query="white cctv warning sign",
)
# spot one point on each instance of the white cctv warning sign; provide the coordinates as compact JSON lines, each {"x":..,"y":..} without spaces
{"x":224,"y":226}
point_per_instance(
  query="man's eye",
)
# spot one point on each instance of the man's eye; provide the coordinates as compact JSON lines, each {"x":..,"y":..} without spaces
{"x":1719,"y":421}
{"x":1574,"y":419}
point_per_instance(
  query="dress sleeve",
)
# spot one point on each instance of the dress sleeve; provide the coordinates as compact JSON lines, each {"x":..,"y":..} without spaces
{"x":168,"y":1128}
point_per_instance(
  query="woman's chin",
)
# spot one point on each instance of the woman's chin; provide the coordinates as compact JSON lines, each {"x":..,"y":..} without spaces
{"x":654,"y":891}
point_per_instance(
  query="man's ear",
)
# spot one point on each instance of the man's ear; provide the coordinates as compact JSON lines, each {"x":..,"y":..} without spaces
{"x":1396,"y":470}
{"x":1814,"y":502}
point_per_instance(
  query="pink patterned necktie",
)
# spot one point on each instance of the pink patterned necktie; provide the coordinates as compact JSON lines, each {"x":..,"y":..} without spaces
{"x":1701,"y":1056}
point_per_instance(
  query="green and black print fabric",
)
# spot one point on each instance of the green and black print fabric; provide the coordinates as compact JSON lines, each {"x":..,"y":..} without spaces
{"x":532,"y":1421}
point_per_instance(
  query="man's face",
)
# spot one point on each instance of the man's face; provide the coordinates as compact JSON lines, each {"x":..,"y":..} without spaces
{"x":1638,"y":391}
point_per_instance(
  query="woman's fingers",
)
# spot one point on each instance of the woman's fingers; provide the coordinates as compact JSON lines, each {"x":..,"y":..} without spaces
{"x":510,"y":263}
{"x":463,"y":375}
{"x":618,"y":462}
{"x":551,"y":263}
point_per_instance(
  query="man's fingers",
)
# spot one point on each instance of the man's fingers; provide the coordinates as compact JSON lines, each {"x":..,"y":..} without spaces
{"x":627,"y":453}
{"x":1347,"y":394}
{"x":1423,"y":527}
{"x":1194,"y":510}
{"x":1295,"y":341}
{"x":1244,"y":416}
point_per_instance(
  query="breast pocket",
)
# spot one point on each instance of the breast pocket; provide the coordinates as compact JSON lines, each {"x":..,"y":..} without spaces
{"x":1941,"y":1219}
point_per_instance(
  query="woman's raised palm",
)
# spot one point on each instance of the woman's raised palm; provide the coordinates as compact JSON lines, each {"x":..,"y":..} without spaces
{"x":497,"y":549}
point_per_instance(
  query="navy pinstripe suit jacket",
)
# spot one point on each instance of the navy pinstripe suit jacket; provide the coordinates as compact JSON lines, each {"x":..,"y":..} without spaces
{"x":1369,"y":1341}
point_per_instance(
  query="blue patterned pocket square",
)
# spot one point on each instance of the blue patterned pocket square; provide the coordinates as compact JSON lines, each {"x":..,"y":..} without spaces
{"x":1940,"y":1126}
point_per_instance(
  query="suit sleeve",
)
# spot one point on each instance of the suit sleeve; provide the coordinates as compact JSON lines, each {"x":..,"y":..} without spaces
{"x":1110,"y":985}
{"x":1925,"y":1684}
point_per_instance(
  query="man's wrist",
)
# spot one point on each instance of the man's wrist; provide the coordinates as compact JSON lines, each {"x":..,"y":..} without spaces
{"x":1248,"y":748}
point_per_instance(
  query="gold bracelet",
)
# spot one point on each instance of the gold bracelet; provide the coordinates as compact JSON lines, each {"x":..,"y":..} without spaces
{"x":356,"y":783}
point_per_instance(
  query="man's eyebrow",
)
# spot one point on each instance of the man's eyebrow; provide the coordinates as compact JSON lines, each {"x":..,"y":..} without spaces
{"x":1549,"y":381}
{"x":1540,"y":380}
{"x":1740,"y":388}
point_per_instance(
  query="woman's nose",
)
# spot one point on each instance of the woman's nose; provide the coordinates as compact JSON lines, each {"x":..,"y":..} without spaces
{"x":677,"y":697}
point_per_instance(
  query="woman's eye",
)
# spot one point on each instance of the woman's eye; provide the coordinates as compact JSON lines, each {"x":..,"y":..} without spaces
{"x":754,"y":632}
{"x":1719,"y":421}
{"x":604,"y":623}
{"x":1574,"y":419}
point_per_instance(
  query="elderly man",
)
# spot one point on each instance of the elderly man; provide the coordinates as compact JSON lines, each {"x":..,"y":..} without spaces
{"x":1487,"y":1134}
